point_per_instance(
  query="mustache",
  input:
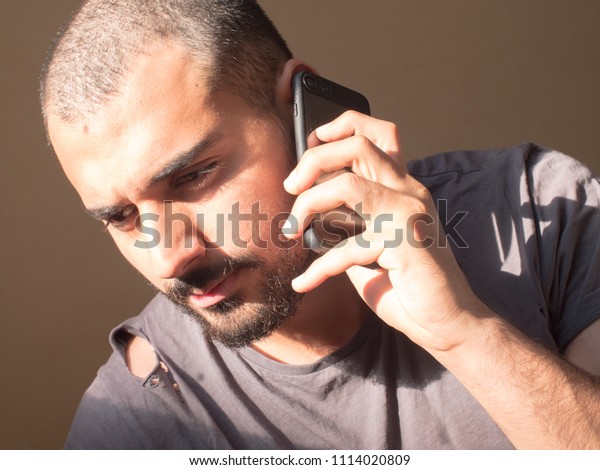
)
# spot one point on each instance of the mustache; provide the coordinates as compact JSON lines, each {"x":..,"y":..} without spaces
{"x":204,"y":275}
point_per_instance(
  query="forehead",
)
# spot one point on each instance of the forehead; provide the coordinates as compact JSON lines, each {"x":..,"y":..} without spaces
{"x":162,"y":106}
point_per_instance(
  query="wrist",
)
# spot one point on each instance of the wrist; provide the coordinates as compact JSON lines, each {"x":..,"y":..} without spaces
{"x":476,"y":329}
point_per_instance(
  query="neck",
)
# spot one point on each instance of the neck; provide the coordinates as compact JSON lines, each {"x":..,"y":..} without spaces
{"x":327,"y":318}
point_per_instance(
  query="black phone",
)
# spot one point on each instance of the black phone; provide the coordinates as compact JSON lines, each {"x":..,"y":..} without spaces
{"x":318,"y":101}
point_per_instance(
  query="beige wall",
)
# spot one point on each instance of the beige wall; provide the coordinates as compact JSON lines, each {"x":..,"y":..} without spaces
{"x":460,"y":74}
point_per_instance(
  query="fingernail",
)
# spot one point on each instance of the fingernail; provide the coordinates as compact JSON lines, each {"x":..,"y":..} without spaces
{"x":297,"y":283}
{"x":323,"y":128}
{"x":290,"y":226}
{"x":290,"y":181}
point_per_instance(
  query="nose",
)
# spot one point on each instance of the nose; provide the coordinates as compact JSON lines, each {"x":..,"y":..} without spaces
{"x":178,"y":240}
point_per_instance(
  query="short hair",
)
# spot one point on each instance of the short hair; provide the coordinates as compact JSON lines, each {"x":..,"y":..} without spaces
{"x":86,"y":63}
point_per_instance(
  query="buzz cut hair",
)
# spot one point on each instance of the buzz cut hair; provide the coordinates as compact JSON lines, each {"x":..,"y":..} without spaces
{"x":233,"y":41}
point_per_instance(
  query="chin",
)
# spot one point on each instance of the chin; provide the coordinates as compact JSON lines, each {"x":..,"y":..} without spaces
{"x":236,"y":324}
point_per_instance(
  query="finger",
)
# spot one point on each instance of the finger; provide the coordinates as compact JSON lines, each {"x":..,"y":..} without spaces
{"x":346,"y":189}
{"x":312,"y":140}
{"x":355,"y":251}
{"x":383,"y":134}
{"x":356,"y":153}
{"x":378,"y":293}
{"x":371,"y":284}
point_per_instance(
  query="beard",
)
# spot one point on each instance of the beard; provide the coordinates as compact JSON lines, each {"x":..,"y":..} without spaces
{"x":241,"y":319}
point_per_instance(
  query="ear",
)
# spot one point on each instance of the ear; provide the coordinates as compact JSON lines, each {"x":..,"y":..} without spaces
{"x":283,"y":89}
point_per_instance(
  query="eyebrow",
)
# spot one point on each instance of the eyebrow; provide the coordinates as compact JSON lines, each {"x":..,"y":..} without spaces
{"x":185,"y":158}
{"x":176,"y":164}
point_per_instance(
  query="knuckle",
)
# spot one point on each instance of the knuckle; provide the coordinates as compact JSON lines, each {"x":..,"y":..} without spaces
{"x":362,"y":143}
{"x":350,"y":114}
{"x":307,"y":157}
{"x":418,"y":209}
{"x":301,"y":204}
{"x":423,"y":195}
{"x":420,"y":203}
{"x":351,"y":180}
{"x":392,"y":128}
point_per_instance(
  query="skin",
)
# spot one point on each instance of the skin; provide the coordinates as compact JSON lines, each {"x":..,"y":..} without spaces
{"x":538,"y":399}
{"x":111,"y":157}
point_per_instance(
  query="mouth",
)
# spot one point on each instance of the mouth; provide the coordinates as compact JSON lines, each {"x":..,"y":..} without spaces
{"x":215,"y":292}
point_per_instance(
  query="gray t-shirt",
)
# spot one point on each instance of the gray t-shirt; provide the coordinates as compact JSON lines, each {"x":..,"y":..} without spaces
{"x":528,"y":245}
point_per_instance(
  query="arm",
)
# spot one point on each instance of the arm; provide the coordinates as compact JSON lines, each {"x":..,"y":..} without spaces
{"x":538,"y":399}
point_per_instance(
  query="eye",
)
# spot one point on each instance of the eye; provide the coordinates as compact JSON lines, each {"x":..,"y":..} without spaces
{"x":123,"y":220}
{"x":196,"y":178}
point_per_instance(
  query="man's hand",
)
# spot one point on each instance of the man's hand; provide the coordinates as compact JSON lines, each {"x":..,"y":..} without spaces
{"x":419,"y":289}
{"x":537,"y":398}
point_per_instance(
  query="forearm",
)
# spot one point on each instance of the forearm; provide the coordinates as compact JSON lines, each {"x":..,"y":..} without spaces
{"x":538,"y":399}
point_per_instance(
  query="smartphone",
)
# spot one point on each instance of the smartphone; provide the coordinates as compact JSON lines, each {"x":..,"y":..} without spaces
{"x":318,"y":101}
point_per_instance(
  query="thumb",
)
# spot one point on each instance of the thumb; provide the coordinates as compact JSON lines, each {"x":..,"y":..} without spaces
{"x":376,"y":290}
{"x":371,"y":284}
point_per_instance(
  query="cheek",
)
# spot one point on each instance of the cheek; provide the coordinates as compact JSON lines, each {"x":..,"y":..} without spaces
{"x":262,"y":207}
{"x":139,"y":258}
{"x":248,"y":212}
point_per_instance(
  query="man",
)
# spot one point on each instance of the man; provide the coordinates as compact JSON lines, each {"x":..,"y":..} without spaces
{"x":171,"y":118}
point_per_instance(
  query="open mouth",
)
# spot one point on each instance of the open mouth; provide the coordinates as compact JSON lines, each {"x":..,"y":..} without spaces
{"x":215,"y":292}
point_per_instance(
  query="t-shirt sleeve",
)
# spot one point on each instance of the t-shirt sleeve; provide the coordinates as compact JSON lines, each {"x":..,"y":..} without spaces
{"x":99,"y":424}
{"x":122,"y":411}
{"x":565,"y":197}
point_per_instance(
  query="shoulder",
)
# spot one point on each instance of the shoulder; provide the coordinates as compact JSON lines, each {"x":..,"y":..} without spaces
{"x":529,"y":160}
{"x":530,"y":180}
{"x":136,"y":401}
{"x":99,"y":422}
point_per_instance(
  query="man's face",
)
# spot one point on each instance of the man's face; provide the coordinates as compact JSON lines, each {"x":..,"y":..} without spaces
{"x":191,"y":188}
